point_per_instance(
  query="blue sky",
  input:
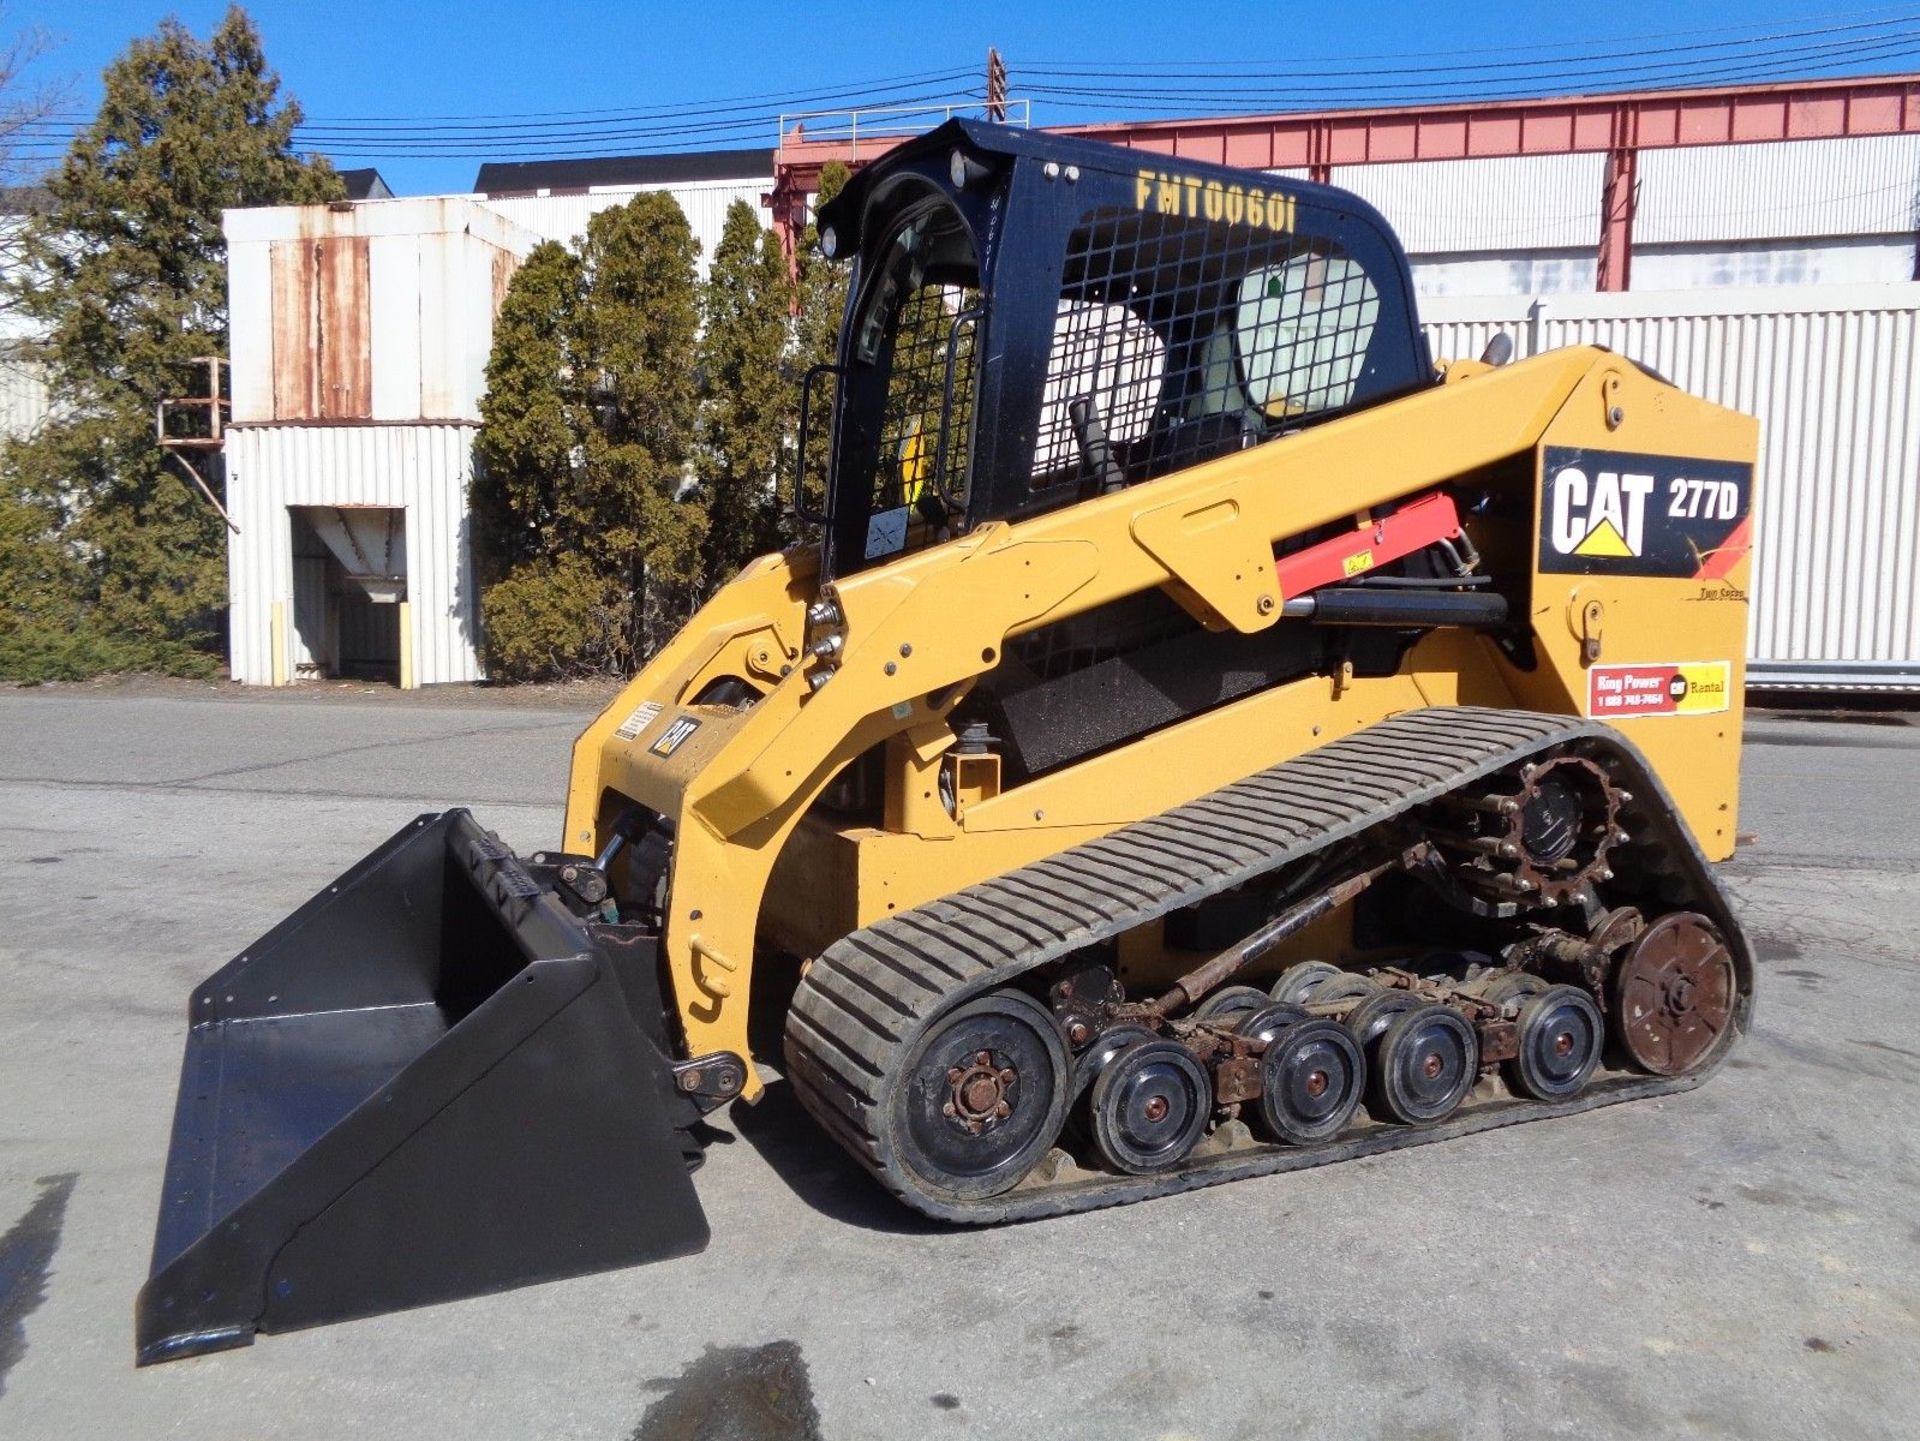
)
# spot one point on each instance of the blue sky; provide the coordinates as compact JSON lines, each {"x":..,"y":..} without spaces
{"x":393,"y":67}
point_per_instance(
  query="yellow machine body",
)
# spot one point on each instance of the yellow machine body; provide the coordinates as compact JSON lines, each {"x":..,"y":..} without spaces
{"x":753,"y":864}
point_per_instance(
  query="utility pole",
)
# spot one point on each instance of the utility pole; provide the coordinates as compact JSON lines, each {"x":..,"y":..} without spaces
{"x":996,"y":86}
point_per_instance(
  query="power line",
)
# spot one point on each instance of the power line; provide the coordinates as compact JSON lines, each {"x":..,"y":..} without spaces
{"x":1401,"y":83}
{"x":690,"y":111}
{"x":773,"y":100}
{"x":796,"y":97}
{"x":588,"y":145}
{"x":1576,"y":46}
{"x":1227,"y":105}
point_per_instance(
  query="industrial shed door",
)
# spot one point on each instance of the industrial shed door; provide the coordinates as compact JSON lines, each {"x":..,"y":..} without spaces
{"x":369,"y":639}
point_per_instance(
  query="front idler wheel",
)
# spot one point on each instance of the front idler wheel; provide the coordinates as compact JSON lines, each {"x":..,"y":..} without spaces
{"x":1561,"y":1037}
{"x":983,"y":1097}
{"x":1312,"y":1076}
{"x":1150,"y":1107}
{"x":1426,"y":1063}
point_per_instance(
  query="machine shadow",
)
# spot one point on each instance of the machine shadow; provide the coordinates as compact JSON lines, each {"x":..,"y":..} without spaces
{"x":806,"y":1159}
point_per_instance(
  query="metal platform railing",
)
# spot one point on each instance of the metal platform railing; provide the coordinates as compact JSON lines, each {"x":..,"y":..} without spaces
{"x":886,"y":125}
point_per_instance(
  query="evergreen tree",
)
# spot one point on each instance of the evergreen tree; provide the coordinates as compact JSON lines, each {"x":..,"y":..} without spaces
{"x":746,"y":396}
{"x":125,"y":275}
{"x":534,"y":418}
{"x":590,"y":545}
{"x":638,"y":332}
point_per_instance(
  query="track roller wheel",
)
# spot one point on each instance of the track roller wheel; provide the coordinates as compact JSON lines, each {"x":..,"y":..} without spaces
{"x":1672,"y":997}
{"x":1369,"y":1020}
{"x":1424,"y":1065}
{"x":1339,"y":987}
{"x":983,"y":1097}
{"x":1561,"y":1037}
{"x":1150,"y":1107}
{"x":1295,"y":981}
{"x":1311,"y":1079}
{"x":1269,"y":1021}
{"x":1511,"y":988}
{"x":1088,"y":1065}
{"x":1227,"y":1005}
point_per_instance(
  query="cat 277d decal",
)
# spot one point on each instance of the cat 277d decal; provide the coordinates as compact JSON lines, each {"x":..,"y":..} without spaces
{"x":1606,"y":512}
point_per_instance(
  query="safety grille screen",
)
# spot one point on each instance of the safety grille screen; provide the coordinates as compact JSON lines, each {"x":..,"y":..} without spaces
{"x":933,"y":320}
{"x":1178,"y":339}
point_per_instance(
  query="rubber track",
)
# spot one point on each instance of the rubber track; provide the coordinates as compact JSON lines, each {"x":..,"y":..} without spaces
{"x":865,"y":1003}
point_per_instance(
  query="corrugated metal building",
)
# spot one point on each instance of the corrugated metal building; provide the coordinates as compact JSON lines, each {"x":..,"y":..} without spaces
{"x":360,"y":335}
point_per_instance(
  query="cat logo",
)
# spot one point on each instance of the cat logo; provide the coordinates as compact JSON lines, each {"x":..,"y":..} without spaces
{"x":670,"y":738}
{"x":1605,"y":516}
{"x":1609,"y":512}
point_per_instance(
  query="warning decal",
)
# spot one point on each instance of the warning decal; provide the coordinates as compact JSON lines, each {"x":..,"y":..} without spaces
{"x":1605,"y":512}
{"x":1660,"y":688}
{"x":642,"y":717}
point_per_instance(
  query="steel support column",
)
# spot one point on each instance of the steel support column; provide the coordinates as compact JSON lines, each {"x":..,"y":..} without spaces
{"x":1619,"y":193}
{"x":788,"y":204}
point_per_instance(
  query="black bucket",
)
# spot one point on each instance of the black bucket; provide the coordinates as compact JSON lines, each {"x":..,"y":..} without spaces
{"x":430,"y":1081}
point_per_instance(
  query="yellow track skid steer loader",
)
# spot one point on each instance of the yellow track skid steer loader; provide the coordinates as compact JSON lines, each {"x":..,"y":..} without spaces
{"x":1205,"y":739}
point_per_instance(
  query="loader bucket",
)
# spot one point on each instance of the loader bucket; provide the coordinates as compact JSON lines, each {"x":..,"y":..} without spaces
{"x":430,"y":1081}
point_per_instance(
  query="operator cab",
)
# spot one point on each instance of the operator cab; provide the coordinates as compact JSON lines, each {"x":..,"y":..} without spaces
{"x":1033,"y":320}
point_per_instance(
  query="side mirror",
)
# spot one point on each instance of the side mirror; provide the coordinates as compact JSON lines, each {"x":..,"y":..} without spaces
{"x":1499,"y":350}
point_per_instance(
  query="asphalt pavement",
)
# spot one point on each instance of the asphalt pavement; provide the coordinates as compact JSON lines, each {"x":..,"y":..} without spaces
{"x":1739,"y":1261}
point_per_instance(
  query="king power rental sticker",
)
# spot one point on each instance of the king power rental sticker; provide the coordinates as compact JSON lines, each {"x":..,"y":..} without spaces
{"x":1661,"y":688}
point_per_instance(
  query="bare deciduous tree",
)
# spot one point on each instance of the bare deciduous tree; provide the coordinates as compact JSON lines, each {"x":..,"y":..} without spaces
{"x":30,"y":114}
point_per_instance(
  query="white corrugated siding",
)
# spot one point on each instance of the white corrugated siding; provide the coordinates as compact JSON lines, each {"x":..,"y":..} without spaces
{"x":1833,"y":372}
{"x":1525,"y":202}
{"x":24,"y":401}
{"x":423,"y":469}
{"x":1799,"y":213}
{"x":1862,"y":186}
{"x":1460,"y":329}
{"x":1834,"y":260}
{"x":704,"y":203}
